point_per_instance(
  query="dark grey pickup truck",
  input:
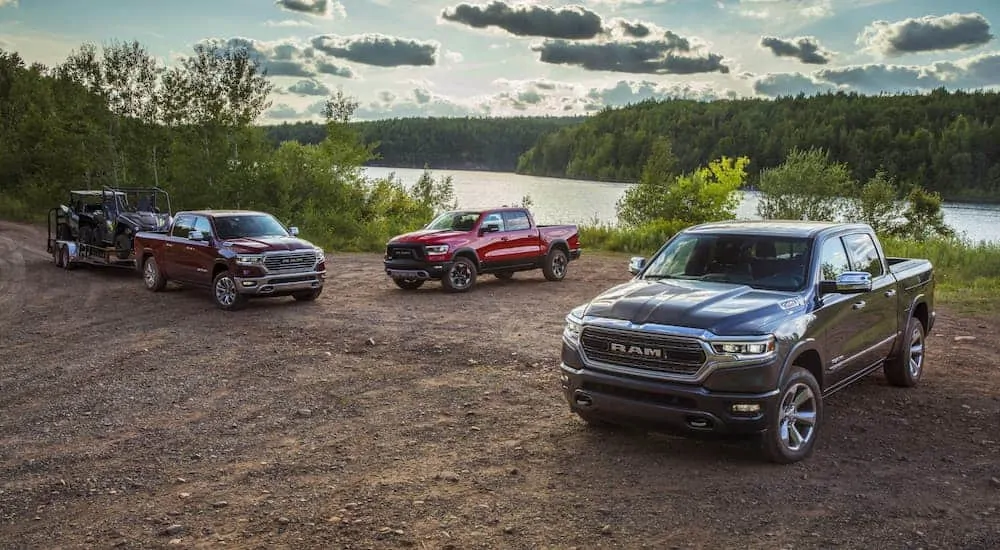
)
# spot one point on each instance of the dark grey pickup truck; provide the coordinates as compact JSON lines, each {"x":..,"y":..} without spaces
{"x":743,"y":328}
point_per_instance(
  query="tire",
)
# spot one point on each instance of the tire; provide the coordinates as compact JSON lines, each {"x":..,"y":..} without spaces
{"x":793,"y":424}
{"x":308,"y":295}
{"x":87,"y":235}
{"x":461,"y":276}
{"x":409,"y":284}
{"x":555,"y":265}
{"x":504,"y":275}
{"x":123,"y":246}
{"x":57,"y":255}
{"x":152,"y":276}
{"x":226,"y":294}
{"x":905,"y":369}
{"x":65,"y":262}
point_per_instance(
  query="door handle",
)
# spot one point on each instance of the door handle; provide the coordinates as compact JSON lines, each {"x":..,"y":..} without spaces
{"x":890,"y":293}
{"x":503,"y":238}
{"x":188,"y":248}
{"x":859,"y":305}
{"x":168,"y":245}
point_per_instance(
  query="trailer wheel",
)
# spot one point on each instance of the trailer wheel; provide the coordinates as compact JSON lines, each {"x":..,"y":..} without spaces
{"x":65,"y":262}
{"x":152,"y":276}
{"x":57,"y":258}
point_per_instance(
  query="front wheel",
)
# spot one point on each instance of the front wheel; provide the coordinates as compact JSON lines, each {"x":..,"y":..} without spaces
{"x":461,"y":276}
{"x":905,"y":369}
{"x":555,"y":265}
{"x":123,"y":246}
{"x":226,"y":293}
{"x":794,"y":425}
{"x":308,"y":295}
{"x":152,"y":276}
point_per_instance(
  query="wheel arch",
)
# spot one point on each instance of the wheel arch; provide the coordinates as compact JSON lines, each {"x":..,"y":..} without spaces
{"x":806,"y":354}
{"x":469,"y":253}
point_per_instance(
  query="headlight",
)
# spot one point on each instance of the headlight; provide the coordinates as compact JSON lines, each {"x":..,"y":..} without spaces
{"x":437,"y":250}
{"x":746,"y":348}
{"x":320,"y":255}
{"x":249,"y":259}
{"x":573,"y":328}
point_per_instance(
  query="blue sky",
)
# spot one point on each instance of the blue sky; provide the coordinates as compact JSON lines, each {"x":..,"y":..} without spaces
{"x":516,"y":57}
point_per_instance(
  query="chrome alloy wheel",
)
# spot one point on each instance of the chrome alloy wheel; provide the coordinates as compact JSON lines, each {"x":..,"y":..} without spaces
{"x":225,"y":291}
{"x":916,"y":352}
{"x":797,"y":417}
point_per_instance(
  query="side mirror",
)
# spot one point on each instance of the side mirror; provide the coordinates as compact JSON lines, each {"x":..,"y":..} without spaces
{"x":196,"y":236}
{"x":294,"y":231}
{"x":489,"y":228}
{"x":848,"y":282}
{"x":636,"y":264}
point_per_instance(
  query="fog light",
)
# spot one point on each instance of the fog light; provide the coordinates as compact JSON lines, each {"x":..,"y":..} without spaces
{"x":746,"y":408}
{"x":249,"y":283}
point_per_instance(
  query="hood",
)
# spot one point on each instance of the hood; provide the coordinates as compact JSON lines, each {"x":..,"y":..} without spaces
{"x":145,"y":221}
{"x":430,"y":236}
{"x":256,"y":245}
{"x":724,"y":309}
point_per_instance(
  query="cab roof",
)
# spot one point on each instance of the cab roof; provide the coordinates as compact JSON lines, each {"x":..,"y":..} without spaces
{"x":786,"y":228}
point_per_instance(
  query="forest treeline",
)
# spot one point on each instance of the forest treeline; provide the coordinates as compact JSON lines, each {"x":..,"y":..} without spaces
{"x":465,"y":143}
{"x":946,"y":142}
{"x":113,"y":116}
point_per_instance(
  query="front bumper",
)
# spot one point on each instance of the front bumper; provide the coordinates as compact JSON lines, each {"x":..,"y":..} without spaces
{"x":276,"y":285}
{"x":663,"y":406}
{"x":416,"y":269}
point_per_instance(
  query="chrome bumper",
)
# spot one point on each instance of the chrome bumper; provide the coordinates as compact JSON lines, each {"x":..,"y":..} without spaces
{"x":274,"y":284}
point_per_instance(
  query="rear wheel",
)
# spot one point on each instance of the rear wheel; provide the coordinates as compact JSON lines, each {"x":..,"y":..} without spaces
{"x":226,"y":293}
{"x":555,"y":265}
{"x":794,"y":424}
{"x":905,"y":369}
{"x":308,"y":295}
{"x":123,"y":246}
{"x":152,"y":276}
{"x":461,"y":276}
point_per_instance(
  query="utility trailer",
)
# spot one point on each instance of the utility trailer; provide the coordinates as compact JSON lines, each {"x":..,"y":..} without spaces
{"x":67,"y":250}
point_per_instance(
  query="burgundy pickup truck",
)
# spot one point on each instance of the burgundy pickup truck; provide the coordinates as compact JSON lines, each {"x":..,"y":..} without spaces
{"x":239,"y":254}
{"x":458,"y":246}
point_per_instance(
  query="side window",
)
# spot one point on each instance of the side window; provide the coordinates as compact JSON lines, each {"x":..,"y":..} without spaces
{"x":864,"y":254}
{"x":201,"y":224}
{"x":516,"y":220}
{"x":182,"y":226}
{"x":832,"y":259}
{"x":494,"y":218}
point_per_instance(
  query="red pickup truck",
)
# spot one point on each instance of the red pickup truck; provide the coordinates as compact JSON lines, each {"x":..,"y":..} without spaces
{"x":239,"y":254}
{"x":458,"y":246}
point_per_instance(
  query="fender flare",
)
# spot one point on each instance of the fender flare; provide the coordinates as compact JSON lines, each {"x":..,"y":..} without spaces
{"x":801,"y":347}
{"x":560,"y":243}
{"x":467,"y":251}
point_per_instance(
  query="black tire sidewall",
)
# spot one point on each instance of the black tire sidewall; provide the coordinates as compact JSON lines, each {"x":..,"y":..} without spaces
{"x":446,"y":280}
{"x":550,"y":260}
{"x":773,"y":446}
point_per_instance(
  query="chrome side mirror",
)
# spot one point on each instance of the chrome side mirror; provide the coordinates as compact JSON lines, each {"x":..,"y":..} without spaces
{"x":848,"y":282}
{"x":196,"y":236}
{"x":294,"y":231}
{"x":636,"y":264}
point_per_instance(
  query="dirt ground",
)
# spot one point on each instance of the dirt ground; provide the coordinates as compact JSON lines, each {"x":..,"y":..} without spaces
{"x":376,"y":418}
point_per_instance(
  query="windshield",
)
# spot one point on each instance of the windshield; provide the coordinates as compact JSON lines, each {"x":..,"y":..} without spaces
{"x":455,"y":221}
{"x":759,"y":261}
{"x":250,"y":225}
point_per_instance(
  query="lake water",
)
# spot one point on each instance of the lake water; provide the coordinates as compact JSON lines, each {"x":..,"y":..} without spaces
{"x":556,"y":200}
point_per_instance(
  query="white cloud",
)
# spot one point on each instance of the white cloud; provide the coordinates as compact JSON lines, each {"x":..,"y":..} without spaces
{"x":8,"y":3}
{"x":289,"y":23}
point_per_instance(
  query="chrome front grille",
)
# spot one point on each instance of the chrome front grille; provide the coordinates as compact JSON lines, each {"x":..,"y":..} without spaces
{"x":284,"y":262}
{"x":643,"y":350}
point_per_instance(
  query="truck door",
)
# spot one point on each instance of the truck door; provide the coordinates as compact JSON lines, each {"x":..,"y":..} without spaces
{"x":200,"y":255}
{"x":837,"y":313}
{"x":173,"y":249}
{"x":523,"y":244}
{"x":877,"y":316}
{"x":491,"y":245}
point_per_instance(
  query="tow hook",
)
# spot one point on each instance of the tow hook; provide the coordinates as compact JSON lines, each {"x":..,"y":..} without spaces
{"x":582,"y":400}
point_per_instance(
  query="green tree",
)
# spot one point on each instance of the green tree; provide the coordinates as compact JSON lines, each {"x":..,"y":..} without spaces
{"x":807,"y":186}
{"x":876,"y":204}
{"x":644,"y":201}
